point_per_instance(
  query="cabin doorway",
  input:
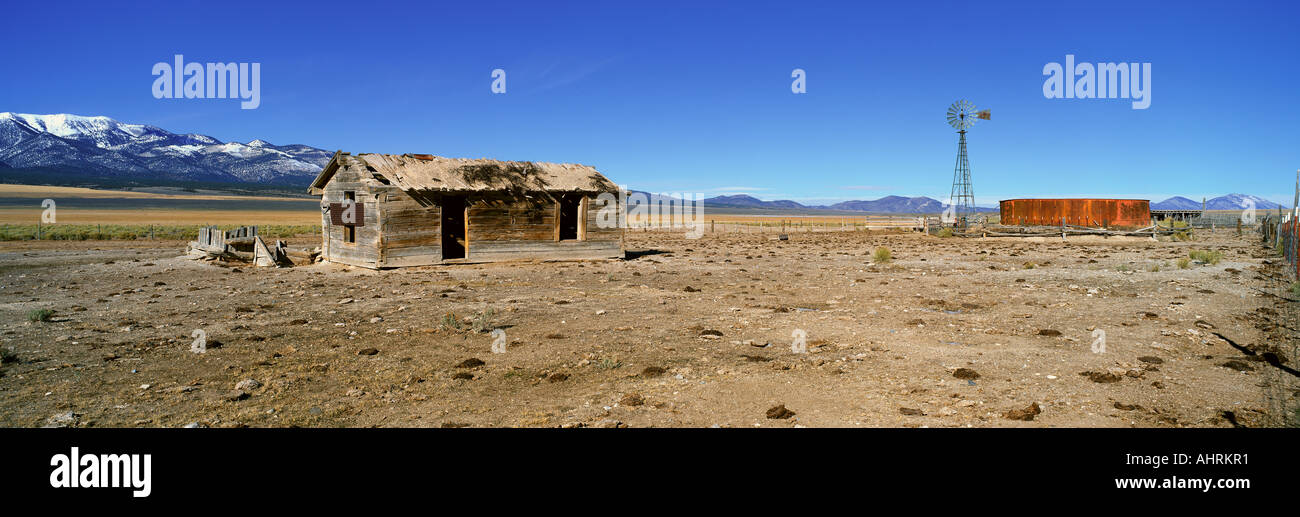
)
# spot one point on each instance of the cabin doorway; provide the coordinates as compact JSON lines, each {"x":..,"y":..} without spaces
{"x":454,"y":220}
{"x":569,"y":217}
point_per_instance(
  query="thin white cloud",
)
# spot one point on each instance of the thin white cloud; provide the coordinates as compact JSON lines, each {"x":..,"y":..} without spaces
{"x":557,"y":74}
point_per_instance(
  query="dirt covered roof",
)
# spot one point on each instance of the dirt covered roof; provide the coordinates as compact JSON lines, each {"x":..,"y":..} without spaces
{"x":423,"y":172}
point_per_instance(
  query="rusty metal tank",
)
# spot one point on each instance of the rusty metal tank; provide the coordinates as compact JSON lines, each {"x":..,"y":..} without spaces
{"x":1109,"y":213}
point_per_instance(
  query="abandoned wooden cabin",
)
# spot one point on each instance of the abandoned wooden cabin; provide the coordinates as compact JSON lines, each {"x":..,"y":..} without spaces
{"x":418,"y":209}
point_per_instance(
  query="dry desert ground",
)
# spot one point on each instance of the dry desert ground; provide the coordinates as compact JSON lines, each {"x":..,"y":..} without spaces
{"x":683,"y":333}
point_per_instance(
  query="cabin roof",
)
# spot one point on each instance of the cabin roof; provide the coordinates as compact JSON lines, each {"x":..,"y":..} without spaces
{"x":423,"y":172}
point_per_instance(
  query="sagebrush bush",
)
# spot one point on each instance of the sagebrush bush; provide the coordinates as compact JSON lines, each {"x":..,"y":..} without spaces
{"x":38,"y":315}
{"x":485,"y":321}
{"x":882,"y":255}
{"x":450,"y":321}
{"x":1206,"y":256}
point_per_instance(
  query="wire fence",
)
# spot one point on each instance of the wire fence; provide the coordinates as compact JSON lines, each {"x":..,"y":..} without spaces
{"x":1281,"y":233}
{"x":1286,"y":242}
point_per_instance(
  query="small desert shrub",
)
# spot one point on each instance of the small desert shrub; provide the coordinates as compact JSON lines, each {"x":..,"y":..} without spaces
{"x":484,"y":321}
{"x":1295,"y":288}
{"x":1028,"y":265}
{"x":1207,"y":257}
{"x":609,"y":364}
{"x":7,"y":356}
{"x":1154,"y":268}
{"x":36,"y":315}
{"x":1123,"y":268}
{"x":450,"y":321}
{"x":882,"y":255}
{"x":944,"y":232}
{"x":1184,"y":263}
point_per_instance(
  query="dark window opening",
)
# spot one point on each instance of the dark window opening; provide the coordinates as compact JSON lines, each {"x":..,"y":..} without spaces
{"x":569,"y":217}
{"x":454,"y":243}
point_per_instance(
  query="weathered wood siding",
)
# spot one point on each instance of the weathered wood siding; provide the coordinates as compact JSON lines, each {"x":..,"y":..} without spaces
{"x":365,"y":251}
{"x":412,"y":230}
{"x":505,"y":228}
{"x":404,"y":230}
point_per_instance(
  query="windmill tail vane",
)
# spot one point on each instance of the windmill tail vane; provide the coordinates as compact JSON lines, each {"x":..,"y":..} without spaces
{"x":985,"y":115}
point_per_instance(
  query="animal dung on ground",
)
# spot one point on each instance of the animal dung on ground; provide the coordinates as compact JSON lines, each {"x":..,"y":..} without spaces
{"x":779,"y":413}
{"x":966,"y":374}
{"x":1026,"y":414}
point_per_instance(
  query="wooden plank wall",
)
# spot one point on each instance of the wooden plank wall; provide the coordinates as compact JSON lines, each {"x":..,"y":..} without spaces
{"x":402,"y":230}
{"x":365,"y":251}
{"x":503,"y":228}
{"x":412,"y":229}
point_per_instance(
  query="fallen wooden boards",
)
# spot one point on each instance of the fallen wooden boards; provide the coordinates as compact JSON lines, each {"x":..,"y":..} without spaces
{"x":264,"y":256}
{"x":243,"y":244}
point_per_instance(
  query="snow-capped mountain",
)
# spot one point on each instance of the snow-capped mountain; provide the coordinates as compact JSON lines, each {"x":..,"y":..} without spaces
{"x":1238,"y":202}
{"x":101,"y":146}
{"x":1228,"y":202}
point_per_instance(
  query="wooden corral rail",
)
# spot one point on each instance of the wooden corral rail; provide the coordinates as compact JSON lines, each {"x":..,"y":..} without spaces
{"x":1066,"y":230}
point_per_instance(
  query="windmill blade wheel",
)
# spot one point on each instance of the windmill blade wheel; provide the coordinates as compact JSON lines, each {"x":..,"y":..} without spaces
{"x":962,"y":114}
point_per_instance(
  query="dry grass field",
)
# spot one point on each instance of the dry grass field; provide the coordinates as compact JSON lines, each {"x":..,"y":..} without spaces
{"x":165,"y":217}
{"x":118,"y":207}
{"x":731,"y":330}
{"x":56,"y":192}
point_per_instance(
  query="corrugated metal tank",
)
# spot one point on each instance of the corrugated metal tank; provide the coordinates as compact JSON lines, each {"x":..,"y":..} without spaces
{"x":1110,"y":213}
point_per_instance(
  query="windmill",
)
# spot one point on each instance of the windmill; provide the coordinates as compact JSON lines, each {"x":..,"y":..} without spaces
{"x":962,"y":115}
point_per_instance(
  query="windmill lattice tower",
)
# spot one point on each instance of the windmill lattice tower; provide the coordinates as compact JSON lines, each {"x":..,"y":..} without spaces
{"x":962,"y":115}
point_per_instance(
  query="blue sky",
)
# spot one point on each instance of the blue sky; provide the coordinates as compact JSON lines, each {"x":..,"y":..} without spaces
{"x":695,"y":96}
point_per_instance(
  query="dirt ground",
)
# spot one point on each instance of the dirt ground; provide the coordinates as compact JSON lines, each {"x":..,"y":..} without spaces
{"x":683,"y":333}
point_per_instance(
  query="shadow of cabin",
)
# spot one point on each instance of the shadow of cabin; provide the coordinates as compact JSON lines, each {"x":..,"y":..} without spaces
{"x":380,"y":210}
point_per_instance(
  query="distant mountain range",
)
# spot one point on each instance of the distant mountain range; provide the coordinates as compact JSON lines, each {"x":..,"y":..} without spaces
{"x":890,"y":204}
{"x":1228,"y":202}
{"x":73,"y":149}
{"x":917,"y":205}
{"x":100,"y":147}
